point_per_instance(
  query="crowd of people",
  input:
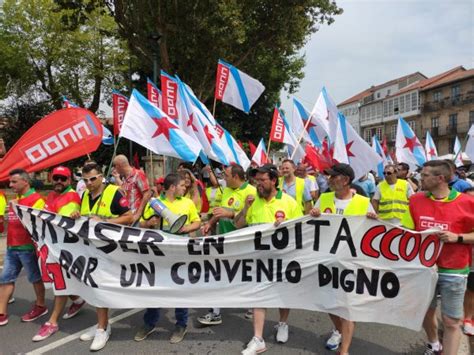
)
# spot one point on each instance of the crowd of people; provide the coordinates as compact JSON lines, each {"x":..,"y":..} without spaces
{"x":224,"y":199}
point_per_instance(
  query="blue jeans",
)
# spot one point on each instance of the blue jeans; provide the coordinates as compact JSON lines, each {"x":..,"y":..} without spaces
{"x":452,"y":289}
{"x":152,"y":315}
{"x":15,"y":260}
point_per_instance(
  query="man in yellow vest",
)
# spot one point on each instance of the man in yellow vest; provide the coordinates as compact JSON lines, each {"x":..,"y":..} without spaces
{"x":341,"y":200}
{"x":294,"y":186}
{"x":271,"y":205}
{"x":104,"y":203}
{"x":232,"y":202}
{"x":173,"y":199}
{"x":64,"y":201}
{"x":390,"y":199}
{"x":302,"y":172}
{"x":3,"y":206}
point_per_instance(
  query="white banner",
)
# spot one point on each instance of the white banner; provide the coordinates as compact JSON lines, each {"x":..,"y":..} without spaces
{"x":359,"y":269}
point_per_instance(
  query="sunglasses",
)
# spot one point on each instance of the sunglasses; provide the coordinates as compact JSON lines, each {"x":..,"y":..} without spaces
{"x":388,"y":173}
{"x":59,"y":178}
{"x":91,"y":179}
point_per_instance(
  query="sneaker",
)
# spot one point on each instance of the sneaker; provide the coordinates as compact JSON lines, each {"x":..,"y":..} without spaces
{"x":35,"y":313}
{"x":210,"y":319}
{"x":282,"y":332}
{"x":255,"y":346}
{"x":100,"y":339}
{"x":89,"y":334}
{"x":11,"y":300}
{"x":3,"y":319}
{"x":144,"y":332}
{"x":178,"y":334}
{"x":46,"y":330}
{"x":334,"y":340}
{"x":73,"y":309}
{"x":468,"y":327}
{"x":429,"y":350}
{"x":249,"y":314}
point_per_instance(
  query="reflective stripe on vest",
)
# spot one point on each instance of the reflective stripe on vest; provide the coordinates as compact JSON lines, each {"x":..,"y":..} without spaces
{"x":105,"y":203}
{"x":299,"y":191}
{"x":357,"y":207}
{"x":393,"y":203}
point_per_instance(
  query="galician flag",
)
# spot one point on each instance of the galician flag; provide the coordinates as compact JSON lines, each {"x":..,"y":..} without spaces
{"x":238,"y":155}
{"x":68,"y":103}
{"x":315,"y":132}
{"x":236,"y":88}
{"x":351,"y":149}
{"x":260,"y":156}
{"x":430,"y":147}
{"x":325,"y":114}
{"x":147,"y":125}
{"x":470,"y":144}
{"x":377,"y":147}
{"x":457,"y":153}
{"x":408,"y":148}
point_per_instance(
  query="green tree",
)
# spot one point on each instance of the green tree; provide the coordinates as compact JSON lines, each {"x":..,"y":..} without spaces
{"x":55,"y":49}
{"x":261,"y":37}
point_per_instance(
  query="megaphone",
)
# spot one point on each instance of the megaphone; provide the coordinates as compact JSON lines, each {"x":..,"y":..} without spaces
{"x":175,"y":222}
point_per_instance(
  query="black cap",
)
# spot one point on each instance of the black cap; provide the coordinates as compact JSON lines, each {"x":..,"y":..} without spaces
{"x":267,"y":168}
{"x":341,"y":169}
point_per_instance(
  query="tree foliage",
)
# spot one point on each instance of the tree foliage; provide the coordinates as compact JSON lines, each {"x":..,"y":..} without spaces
{"x":261,"y":37}
{"x":60,"y":48}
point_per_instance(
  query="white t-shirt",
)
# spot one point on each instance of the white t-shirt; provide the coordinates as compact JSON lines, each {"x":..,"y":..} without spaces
{"x":341,"y":205}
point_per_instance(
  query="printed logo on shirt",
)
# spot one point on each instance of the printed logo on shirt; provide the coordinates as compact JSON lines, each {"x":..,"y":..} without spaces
{"x":327,"y":210}
{"x":280,"y":214}
{"x":231,"y":201}
{"x":123,"y":202}
{"x":427,"y":222}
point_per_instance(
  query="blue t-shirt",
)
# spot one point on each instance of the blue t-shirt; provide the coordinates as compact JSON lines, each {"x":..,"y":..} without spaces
{"x":459,"y":184}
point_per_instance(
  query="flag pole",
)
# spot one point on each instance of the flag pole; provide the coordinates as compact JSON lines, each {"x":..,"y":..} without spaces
{"x":462,"y":145}
{"x":214,"y":108}
{"x":269,"y":143}
{"x":301,"y":136}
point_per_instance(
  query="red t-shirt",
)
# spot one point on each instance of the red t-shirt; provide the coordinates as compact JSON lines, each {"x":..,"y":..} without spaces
{"x":455,"y":214}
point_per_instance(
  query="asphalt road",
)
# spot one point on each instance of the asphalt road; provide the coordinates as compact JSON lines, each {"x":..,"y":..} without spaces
{"x":308,"y":331}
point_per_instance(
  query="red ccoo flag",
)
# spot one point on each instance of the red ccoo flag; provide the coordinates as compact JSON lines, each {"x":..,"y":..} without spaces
{"x":119,"y":105}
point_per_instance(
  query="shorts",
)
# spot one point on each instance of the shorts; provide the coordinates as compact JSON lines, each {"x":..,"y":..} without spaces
{"x":452,"y":289}
{"x":470,"y":281}
{"x":15,"y":260}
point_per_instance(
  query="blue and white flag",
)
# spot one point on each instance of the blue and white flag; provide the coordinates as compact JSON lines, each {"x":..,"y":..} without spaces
{"x":457,"y":153}
{"x":147,"y":125}
{"x":315,"y":132}
{"x":408,"y":148}
{"x":238,"y":155}
{"x":377,"y":147}
{"x":107,"y":136}
{"x":236,"y":88}
{"x":430,"y":147}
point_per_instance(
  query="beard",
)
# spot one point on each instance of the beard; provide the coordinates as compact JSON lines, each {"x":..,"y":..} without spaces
{"x":264,"y":193}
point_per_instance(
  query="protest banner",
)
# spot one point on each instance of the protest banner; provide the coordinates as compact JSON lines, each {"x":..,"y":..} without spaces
{"x":357,"y":268}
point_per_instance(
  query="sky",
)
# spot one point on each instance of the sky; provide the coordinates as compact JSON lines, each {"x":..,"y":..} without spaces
{"x":375,"y":41}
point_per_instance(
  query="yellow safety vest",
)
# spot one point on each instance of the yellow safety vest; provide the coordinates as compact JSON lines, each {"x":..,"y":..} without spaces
{"x":393,"y":203}
{"x":105,"y":203}
{"x":280,"y":206}
{"x":357,"y":207}
{"x":299,"y":190}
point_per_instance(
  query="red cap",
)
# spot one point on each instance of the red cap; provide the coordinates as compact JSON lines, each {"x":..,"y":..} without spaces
{"x":159,"y":180}
{"x":61,"y":171}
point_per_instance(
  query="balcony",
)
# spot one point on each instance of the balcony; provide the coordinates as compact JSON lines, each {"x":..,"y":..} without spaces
{"x":434,"y":132}
{"x":448,"y":102}
{"x":450,"y":130}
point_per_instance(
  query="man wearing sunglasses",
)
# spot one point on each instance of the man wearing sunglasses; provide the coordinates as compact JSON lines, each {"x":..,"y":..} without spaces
{"x":391,"y":196}
{"x":64,"y":201}
{"x":104,"y":203}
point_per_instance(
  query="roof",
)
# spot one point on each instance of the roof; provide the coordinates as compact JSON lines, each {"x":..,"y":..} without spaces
{"x":460,"y":75}
{"x":372,"y":89}
{"x":434,"y":80}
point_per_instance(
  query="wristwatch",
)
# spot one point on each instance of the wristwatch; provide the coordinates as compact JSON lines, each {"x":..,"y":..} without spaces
{"x":460,"y":239}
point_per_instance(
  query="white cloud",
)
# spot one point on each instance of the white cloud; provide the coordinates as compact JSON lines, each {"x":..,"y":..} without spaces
{"x":376,"y":41}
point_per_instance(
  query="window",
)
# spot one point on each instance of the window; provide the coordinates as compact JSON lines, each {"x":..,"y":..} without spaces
{"x":414,"y":101}
{"x":407,"y":102}
{"x":379,"y":110}
{"x":390,"y":107}
{"x":437,"y":96}
{"x":388,"y":92}
{"x":412,"y":125}
{"x":434,"y":122}
{"x":378,"y":131}
{"x":455,"y":92}
{"x":393,"y":132}
{"x":395,"y":106}
{"x":378,"y":95}
{"x":385,"y":109}
{"x":402,"y":104}
{"x":453,"y":120}
{"x":471,"y":118}
{"x":368,"y":135}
